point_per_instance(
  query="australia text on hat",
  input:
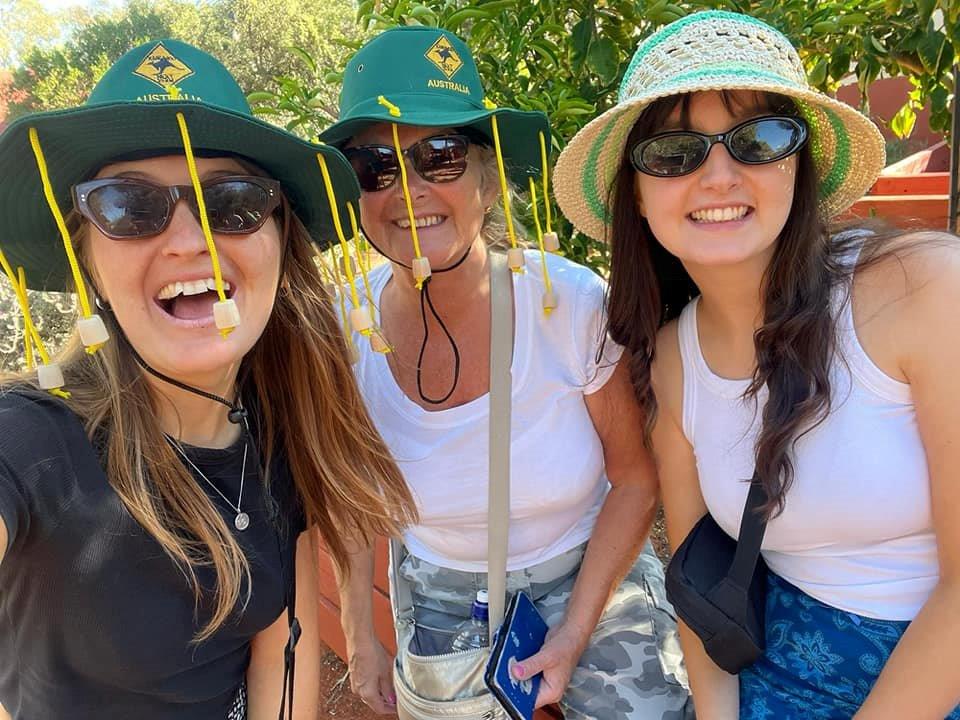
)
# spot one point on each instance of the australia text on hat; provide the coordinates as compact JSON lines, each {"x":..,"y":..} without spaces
{"x":448,"y":85}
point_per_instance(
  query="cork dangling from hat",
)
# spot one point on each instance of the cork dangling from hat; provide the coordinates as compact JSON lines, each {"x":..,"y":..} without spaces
{"x":161,"y":98}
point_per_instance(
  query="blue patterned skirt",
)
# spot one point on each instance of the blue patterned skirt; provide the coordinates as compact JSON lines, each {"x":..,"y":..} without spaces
{"x":820,"y":662}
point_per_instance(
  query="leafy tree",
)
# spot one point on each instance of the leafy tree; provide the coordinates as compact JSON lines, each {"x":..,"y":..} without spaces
{"x":293,"y":66}
{"x":25,"y":24}
{"x":253,"y":38}
{"x":567,"y":58}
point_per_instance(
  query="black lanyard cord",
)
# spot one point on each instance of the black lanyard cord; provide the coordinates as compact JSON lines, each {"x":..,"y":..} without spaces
{"x":426,"y":301}
{"x":425,"y":296}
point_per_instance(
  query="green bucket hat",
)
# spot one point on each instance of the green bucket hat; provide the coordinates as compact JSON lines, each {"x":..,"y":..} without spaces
{"x":716,"y":50}
{"x":133,"y":112}
{"x":429,"y":76}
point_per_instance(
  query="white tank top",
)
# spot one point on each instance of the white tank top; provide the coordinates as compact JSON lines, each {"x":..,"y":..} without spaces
{"x":857,"y":531}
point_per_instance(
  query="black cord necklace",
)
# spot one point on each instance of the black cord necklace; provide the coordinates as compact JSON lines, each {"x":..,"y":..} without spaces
{"x":236,"y":414}
{"x":426,"y":301}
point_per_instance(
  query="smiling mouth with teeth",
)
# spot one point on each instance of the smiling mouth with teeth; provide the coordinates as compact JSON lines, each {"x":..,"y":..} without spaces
{"x":191,"y":299}
{"x":420,"y":222}
{"x":719,"y":215}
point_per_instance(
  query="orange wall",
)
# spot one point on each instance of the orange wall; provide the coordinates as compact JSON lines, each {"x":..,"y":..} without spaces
{"x":887,"y":95}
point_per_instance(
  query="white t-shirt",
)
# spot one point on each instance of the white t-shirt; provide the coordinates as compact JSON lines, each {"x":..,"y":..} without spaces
{"x":557,"y":476}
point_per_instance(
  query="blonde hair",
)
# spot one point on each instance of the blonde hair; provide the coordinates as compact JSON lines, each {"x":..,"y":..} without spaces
{"x":308,"y":405}
{"x":494,"y":228}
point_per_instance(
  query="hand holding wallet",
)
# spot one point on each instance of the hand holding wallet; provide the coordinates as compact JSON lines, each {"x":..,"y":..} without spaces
{"x":520,"y":636}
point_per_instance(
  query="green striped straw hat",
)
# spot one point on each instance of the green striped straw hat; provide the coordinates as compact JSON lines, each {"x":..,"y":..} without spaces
{"x":716,"y":50}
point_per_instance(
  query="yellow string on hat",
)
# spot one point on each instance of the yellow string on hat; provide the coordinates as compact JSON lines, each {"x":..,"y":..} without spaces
{"x":378,"y":343}
{"x":551,"y":243}
{"x":32,"y":339}
{"x":21,"y":292}
{"x":30,"y":334}
{"x":335,"y":213}
{"x":325,"y":269}
{"x":224,"y":311}
{"x":360,"y":248}
{"x":546,"y":181}
{"x":92,"y":331}
{"x":393,"y":109}
{"x":338,"y":282}
{"x":515,"y":254}
{"x":549,"y":299}
{"x":30,"y":329}
{"x":360,"y":319}
{"x":361,"y":261}
{"x":420,"y":265}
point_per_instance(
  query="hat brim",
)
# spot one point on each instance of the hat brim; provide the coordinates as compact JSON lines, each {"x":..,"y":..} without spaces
{"x":79,"y":141}
{"x":848,"y":150}
{"x":518,"y":129}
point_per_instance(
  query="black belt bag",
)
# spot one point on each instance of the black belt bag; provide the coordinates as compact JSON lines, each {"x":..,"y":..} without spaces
{"x":718,"y":586}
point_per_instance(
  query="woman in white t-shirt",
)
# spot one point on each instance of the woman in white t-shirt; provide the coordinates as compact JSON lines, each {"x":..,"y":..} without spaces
{"x":583,"y":488}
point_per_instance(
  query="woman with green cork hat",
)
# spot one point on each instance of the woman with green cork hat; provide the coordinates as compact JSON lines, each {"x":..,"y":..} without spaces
{"x":434,"y":159}
{"x":157,"y":479}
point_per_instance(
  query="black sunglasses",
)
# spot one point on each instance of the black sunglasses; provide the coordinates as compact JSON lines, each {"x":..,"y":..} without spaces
{"x":754,"y":142}
{"x":437,"y":159}
{"x":123,"y":208}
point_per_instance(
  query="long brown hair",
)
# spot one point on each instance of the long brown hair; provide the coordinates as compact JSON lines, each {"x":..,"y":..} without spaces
{"x":309,"y":408}
{"x":796,"y":341}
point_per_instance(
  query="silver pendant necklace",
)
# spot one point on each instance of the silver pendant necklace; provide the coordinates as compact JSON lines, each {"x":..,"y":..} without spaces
{"x":242,"y":521}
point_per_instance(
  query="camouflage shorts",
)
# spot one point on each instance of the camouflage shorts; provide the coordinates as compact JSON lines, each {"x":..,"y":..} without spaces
{"x":632,"y":669}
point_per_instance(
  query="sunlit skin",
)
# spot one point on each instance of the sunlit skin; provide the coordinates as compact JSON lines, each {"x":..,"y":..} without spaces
{"x":721,"y":182}
{"x":129,"y":274}
{"x":459,"y":203}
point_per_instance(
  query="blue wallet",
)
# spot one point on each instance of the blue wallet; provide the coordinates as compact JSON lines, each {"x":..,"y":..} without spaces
{"x":520,"y":636}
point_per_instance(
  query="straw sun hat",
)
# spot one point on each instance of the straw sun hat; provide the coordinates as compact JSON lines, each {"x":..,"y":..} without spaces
{"x":716,"y":50}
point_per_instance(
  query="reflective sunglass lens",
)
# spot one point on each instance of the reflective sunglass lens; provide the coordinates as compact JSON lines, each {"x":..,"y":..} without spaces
{"x":128,"y":210}
{"x":765,"y":140}
{"x":376,"y":167}
{"x":441,"y":159}
{"x":670,"y":155}
{"x":236,"y":206}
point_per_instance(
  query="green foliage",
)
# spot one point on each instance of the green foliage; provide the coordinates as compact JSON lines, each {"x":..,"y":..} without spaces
{"x":563,"y":58}
{"x":253,"y":38}
{"x":25,"y":24}
{"x":567,"y":58}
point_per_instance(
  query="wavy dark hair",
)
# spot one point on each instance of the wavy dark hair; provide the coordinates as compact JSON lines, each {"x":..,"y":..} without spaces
{"x":796,"y":341}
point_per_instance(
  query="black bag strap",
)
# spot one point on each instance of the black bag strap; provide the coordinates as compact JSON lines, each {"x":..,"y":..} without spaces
{"x":753,"y":525}
{"x":289,"y":652}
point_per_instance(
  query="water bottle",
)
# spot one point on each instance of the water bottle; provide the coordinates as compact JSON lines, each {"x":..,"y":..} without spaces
{"x":475,"y":632}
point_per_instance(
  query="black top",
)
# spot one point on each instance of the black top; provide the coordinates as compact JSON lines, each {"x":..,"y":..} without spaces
{"x":96,"y":621}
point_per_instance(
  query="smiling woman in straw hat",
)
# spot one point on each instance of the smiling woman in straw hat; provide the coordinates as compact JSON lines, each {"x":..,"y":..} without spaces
{"x":766,"y":343}
{"x":433,"y":159}
{"x":156,"y":481}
